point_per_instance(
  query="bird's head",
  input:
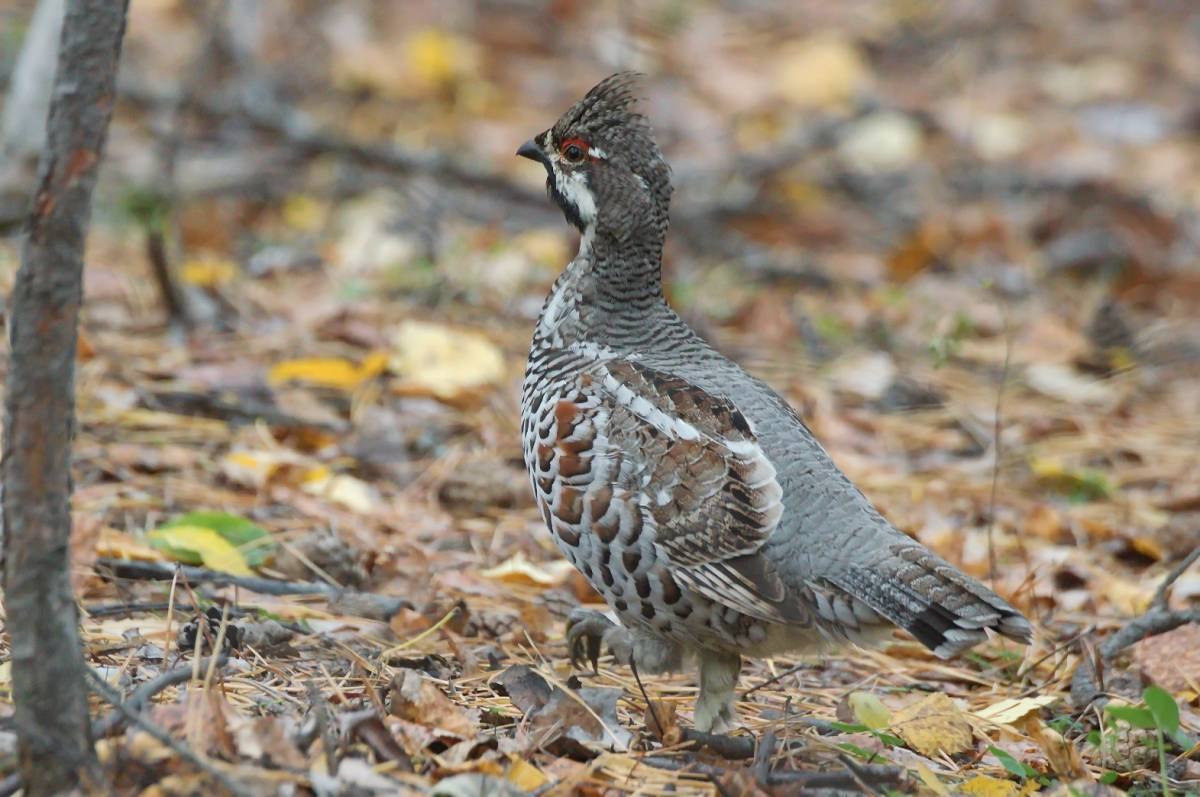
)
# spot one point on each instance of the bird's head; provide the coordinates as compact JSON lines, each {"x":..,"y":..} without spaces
{"x":603,"y":168}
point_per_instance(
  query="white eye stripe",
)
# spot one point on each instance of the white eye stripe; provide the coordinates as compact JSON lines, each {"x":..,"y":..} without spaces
{"x":596,"y":152}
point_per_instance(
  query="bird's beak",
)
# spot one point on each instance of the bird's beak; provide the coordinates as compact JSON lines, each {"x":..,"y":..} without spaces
{"x":532,"y":151}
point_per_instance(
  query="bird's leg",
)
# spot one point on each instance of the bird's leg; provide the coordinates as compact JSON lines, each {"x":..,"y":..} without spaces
{"x":589,"y":631}
{"x":718,"y":676}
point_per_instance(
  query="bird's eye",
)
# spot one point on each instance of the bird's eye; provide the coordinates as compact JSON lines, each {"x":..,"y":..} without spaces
{"x":574,"y":150}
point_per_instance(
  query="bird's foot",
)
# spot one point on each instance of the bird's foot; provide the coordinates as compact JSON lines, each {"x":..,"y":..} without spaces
{"x":589,"y":631}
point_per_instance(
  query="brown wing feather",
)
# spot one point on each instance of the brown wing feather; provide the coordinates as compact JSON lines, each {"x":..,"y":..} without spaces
{"x":702,"y":479}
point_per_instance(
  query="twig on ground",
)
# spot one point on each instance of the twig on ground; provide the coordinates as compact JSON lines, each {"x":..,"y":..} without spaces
{"x":872,"y":774}
{"x":159,"y":571}
{"x":732,"y":747}
{"x":101,"y":687}
{"x":762,"y":757}
{"x":241,"y":409}
{"x":1163,"y":592}
{"x":139,"y":697}
{"x":1158,"y":619}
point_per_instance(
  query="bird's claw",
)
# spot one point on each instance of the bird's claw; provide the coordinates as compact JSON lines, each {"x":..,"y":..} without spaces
{"x":587,"y":632}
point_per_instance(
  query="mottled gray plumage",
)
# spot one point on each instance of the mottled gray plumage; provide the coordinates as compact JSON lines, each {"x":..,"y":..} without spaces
{"x":689,"y":493}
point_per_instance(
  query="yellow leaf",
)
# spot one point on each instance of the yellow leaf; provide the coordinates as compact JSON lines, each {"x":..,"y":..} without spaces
{"x":1012,"y":710}
{"x":524,"y":775}
{"x":216,"y":552}
{"x":436,"y":57}
{"x":354,"y":494}
{"x":931,"y":781}
{"x":934,"y":725}
{"x":985,"y":786}
{"x":302,"y":212}
{"x":448,"y":364}
{"x":331,"y":372}
{"x":821,"y":71}
{"x":208,"y":272}
{"x":519,"y":570}
{"x":869,"y":710}
{"x":116,"y":544}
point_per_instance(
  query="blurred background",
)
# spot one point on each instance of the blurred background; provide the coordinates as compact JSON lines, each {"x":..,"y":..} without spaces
{"x":960,"y":236}
{"x":905,"y":215}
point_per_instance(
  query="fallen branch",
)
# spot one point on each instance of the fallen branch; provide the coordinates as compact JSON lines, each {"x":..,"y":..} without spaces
{"x":847,"y":779}
{"x":1158,"y":619}
{"x":101,"y":687}
{"x":138,"y":699}
{"x":161,"y":571}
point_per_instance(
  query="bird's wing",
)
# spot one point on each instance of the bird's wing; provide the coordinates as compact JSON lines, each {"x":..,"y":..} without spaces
{"x":641,"y":448}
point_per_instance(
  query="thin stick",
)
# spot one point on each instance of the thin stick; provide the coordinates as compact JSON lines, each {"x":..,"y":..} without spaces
{"x":1161,"y":594}
{"x":997,"y":448}
{"x":661,"y":731}
{"x":142,"y":695}
{"x":101,"y":687}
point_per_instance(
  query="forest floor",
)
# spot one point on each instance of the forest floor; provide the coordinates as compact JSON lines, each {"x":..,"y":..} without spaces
{"x":962,"y":241}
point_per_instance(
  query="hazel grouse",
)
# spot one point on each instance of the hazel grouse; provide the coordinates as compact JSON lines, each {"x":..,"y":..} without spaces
{"x":690,"y":494}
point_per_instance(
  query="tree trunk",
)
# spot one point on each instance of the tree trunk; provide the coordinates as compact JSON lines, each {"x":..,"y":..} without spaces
{"x":47,"y":661}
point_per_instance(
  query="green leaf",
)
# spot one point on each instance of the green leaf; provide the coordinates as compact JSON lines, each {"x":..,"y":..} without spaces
{"x":253,"y":541}
{"x":1164,"y":708}
{"x":1136,"y":716}
{"x":1109,"y":777}
{"x":1007,"y":761}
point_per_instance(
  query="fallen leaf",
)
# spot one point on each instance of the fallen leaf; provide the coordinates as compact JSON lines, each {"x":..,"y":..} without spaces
{"x":330,"y":372}
{"x":436,"y":57}
{"x":524,"y":775}
{"x":1171,"y":660}
{"x":934,"y":725}
{"x":416,"y":699}
{"x":352,"y":493}
{"x":931,"y":781}
{"x":444,"y":363}
{"x":1083,"y":483}
{"x":217,"y":540}
{"x":869,"y":710}
{"x":208,"y":272}
{"x":114,"y":544}
{"x":1012,"y":710}
{"x":1063,"y":756}
{"x":986,"y":786}
{"x":1063,"y":383}
{"x":196,"y":545}
{"x":824,"y":70}
{"x":519,"y":570}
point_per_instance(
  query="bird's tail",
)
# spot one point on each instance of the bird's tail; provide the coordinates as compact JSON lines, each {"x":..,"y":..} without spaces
{"x":944,"y":608}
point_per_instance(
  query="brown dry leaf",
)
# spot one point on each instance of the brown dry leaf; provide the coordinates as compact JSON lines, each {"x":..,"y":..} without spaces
{"x":264,"y":740}
{"x":934,"y":725}
{"x":519,"y":570}
{"x":1063,"y":756}
{"x":986,"y":786}
{"x":416,"y":699}
{"x":441,"y":362}
{"x":1171,"y":660}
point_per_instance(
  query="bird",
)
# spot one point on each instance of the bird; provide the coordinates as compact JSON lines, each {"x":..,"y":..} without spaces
{"x":690,"y":494}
